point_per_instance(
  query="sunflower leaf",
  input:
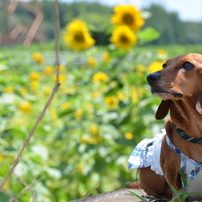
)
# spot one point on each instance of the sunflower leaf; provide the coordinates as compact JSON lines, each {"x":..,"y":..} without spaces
{"x":147,"y":35}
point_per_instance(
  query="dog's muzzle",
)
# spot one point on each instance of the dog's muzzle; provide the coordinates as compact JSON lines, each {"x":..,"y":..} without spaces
{"x":159,"y":90}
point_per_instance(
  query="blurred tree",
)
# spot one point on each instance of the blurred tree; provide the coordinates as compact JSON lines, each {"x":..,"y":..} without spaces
{"x":168,"y":24}
{"x":194,"y":32}
{"x":3,"y":18}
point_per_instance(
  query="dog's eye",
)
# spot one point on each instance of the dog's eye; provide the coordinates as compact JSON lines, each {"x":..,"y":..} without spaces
{"x":164,"y":65}
{"x":187,"y":66}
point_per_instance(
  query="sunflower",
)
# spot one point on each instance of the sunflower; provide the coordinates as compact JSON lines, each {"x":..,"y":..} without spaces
{"x":100,"y":76}
{"x":155,"y":66}
{"x":106,"y":57}
{"x":123,"y":37}
{"x":48,"y":70}
{"x":34,"y":76}
{"x":77,"y":35}
{"x":128,"y":136}
{"x":25,"y":107}
{"x":9,"y":89}
{"x":38,"y":57}
{"x":112,"y":101}
{"x":127,"y":15}
{"x":91,"y":61}
{"x":94,"y":129}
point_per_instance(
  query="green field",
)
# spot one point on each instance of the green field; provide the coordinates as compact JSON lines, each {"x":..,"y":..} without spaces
{"x":103,"y":109}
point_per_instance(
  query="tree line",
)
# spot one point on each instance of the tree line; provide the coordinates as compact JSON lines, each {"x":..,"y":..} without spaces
{"x":168,"y":24}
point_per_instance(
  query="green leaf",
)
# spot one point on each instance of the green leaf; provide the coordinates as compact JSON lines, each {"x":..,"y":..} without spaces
{"x":123,"y":141}
{"x":59,"y":136}
{"x":4,"y":197}
{"x":65,"y":112}
{"x":138,"y":196}
{"x":53,"y":172}
{"x":122,"y":120}
{"x":40,"y":150}
{"x":18,"y":133}
{"x":148,"y":34}
{"x":110,"y":29}
{"x":174,"y":190}
{"x":111,"y":91}
{"x":179,"y":194}
{"x":100,"y":163}
{"x":110,"y":116}
{"x":64,"y":168}
{"x":3,"y":170}
{"x":123,"y":104}
{"x":183,"y":178}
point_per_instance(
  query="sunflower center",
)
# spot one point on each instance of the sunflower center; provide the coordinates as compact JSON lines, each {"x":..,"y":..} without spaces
{"x":128,"y":19}
{"x":79,"y":37}
{"x":124,"y":39}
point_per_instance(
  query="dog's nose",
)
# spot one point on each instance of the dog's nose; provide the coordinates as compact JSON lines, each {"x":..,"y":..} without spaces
{"x":153,"y":77}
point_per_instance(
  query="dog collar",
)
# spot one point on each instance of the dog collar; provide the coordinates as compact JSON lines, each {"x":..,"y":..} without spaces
{"x":182,"y":134}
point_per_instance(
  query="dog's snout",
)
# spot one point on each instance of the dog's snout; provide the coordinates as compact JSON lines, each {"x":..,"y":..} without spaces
{"x":153,"y":77}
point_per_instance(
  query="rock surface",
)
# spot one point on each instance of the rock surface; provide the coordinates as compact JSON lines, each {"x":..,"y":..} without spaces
{"x":121,"y":195}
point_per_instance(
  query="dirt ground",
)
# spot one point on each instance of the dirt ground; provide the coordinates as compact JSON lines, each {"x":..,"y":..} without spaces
{"x":121,"y":195}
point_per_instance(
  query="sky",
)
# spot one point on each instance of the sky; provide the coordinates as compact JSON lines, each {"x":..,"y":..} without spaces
{"x":188,"y":10}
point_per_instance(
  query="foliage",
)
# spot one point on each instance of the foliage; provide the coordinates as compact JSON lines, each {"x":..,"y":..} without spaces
{"x":86,"y":135}
{"x":83,"y":139}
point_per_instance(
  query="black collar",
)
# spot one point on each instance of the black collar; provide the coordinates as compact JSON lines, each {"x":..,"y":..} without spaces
{"x":182,"y":134}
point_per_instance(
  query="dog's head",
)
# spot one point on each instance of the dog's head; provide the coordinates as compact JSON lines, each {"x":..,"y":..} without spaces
{"x":180,"y":78}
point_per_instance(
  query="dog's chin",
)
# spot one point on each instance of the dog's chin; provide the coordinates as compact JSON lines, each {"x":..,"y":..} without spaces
{"x":168,"y":95}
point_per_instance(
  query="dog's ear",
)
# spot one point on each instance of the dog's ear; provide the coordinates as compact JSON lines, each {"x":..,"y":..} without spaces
{"x":199,"y":103}
{"x":163,"y":109}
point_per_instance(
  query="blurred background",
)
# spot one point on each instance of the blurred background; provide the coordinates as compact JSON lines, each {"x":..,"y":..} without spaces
{"x":104,"y":106}
{"x":33,"y":21}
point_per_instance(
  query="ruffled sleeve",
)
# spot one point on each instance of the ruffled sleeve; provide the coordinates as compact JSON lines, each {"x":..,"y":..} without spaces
{"x":147,"y":153}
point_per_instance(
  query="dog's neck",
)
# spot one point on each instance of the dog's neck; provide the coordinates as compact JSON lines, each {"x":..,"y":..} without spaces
{"x":190,"y":121}
{"x":185,"y":116}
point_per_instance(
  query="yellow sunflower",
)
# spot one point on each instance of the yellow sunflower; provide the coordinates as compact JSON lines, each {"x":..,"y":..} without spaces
{"x":9,"y":89}
{"x":77,"y":35}
{"x":25,"y":107}
{"x":128,"y":136}
{"x":91,"y":61}
{"x":127,"y":15}
{"x":34,"y":76}
{"x":38,"y":57}
{"x":106,"y":57}
{"x":100,"y":76}
{"x":123,"y":37}
{"x":94,"y":129}
{"x":48,"y":70}
{"x":155,"y":66}
{"x":112,"y":101}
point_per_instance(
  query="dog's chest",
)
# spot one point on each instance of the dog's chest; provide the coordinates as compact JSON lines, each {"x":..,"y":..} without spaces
{"x":196,"y":186}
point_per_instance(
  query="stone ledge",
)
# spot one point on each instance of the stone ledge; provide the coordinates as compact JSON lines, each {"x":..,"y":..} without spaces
{"x":121,"y":195}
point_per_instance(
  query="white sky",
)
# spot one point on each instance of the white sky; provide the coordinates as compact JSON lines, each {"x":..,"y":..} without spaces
{"x":188,"y":10}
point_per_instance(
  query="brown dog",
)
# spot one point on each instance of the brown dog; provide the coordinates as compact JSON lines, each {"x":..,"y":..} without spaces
{"x":179,"y":85}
